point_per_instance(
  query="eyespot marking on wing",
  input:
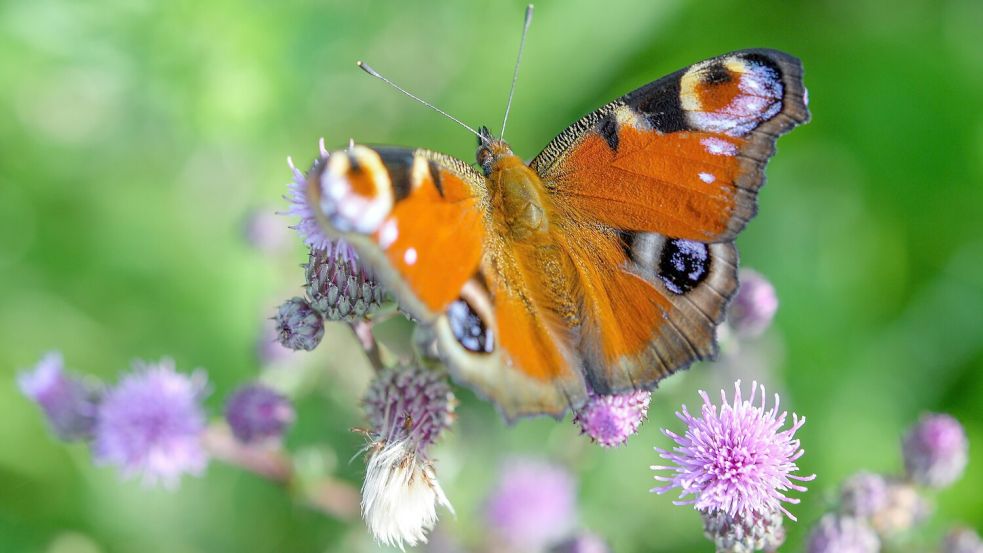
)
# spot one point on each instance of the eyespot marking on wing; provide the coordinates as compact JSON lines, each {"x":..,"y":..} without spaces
{"x":356,"y":190}
{"x":468,"y":328}
{"x":683,"y":265}
{"x":732,"y":95}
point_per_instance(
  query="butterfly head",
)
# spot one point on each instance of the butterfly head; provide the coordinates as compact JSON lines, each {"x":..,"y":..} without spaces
{"x":490,"y":150}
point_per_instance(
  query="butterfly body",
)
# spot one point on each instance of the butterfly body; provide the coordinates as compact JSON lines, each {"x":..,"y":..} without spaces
{"x":602,"y":265}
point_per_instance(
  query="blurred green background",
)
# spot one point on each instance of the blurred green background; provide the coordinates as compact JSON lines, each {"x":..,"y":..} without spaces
{"x":139,"y":139}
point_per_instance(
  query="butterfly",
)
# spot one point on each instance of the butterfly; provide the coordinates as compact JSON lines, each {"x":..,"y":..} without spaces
{"x":602,"y":265}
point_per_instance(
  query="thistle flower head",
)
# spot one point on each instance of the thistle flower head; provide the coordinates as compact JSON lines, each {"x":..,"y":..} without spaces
{"x":532,"y":505}
{"x":69,"y":404}
{"x":407,"y":409}
{"x":585,"y":542}
{"x":338,"y":286}
{"x":308,"y":226}
{"x":737,"y":460}
{"x":257,"y":413}
{"x":864,"y":494}
{"x":298,"y":325}
{"x":151,"y":424}
{"x":410,"y":404}
{"x":754,"y":305}
{"x":840,"y":534}
{"x":936,"y":450}
{"x":962,"y":540}
{"x":744,"y":533}
{"x":611,"y":419}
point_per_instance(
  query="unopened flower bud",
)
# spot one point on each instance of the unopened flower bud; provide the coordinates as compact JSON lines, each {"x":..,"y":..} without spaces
{"x":298,"y":326}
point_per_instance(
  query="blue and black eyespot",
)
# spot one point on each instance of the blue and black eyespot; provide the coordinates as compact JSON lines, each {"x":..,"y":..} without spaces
{"x":683,"y":264}
{"x":469,"y":329}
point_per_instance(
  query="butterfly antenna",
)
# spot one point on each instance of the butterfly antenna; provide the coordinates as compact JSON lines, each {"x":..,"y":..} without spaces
{"x":365,"y":67}
{"x":515,"y":74}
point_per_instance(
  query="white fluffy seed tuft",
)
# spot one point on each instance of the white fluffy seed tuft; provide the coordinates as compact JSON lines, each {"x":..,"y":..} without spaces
{"x":400,"y":495}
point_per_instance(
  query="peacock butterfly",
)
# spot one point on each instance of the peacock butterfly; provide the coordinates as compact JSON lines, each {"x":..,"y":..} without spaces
{"x":603,"y":264}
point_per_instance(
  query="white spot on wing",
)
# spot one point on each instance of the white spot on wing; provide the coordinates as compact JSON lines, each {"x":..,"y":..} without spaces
{"x":410,"y":256}
{"x":719,"y":147}
{"x":388,"y":233}
{"x":707,"y":178}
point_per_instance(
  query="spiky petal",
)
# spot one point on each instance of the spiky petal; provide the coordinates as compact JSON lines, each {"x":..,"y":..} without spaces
{"x":737,"y":460}
{"x":307,"y":226}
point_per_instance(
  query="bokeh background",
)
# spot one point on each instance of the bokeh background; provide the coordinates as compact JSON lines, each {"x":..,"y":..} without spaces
{"x":143,"y":154}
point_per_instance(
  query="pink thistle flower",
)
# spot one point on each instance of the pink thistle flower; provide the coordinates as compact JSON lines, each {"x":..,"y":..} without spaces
{"x":151,"y":424}
{"x":754,"y":305}
{"x":611,"y":419}
{"x":308,"y":227}
{"x":840,"y":534}
{"x":256,"y":413}
{"x":69,"y":403}
{"x":533,"y":504}
{"x":737,"y":460}
{"x":936,"y":450}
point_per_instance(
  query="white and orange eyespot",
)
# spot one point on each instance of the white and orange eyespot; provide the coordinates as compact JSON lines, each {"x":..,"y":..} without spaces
{"x":356,"y":190}
{"x":732,"y":95}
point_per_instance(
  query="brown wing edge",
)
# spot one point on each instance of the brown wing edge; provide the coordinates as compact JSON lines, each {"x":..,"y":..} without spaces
{"x":688,"y":334}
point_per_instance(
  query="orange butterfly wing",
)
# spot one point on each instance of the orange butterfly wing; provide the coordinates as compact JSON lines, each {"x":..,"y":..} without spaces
{"x":419,"y":219}
{"x":683,"y":156}
{"x":670,"y":174}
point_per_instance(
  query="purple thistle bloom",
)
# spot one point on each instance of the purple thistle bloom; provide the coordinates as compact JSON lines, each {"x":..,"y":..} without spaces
{"x":737,"y":460}
{"x":151,"y":424}
{"x":298,"y":325}
{"x":864,"y":494}
{"x":935,"y":450}
{"x":532,"y":505}
{"x":754,"y":305}
{"x":962,"y":540}
{"x":257,"y":413}
{"x":583,"y":543}
{"x":308,"y":226}
{"x":611,"y":419}
{"x":68,"y":403}
{"x":839,"y":534}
